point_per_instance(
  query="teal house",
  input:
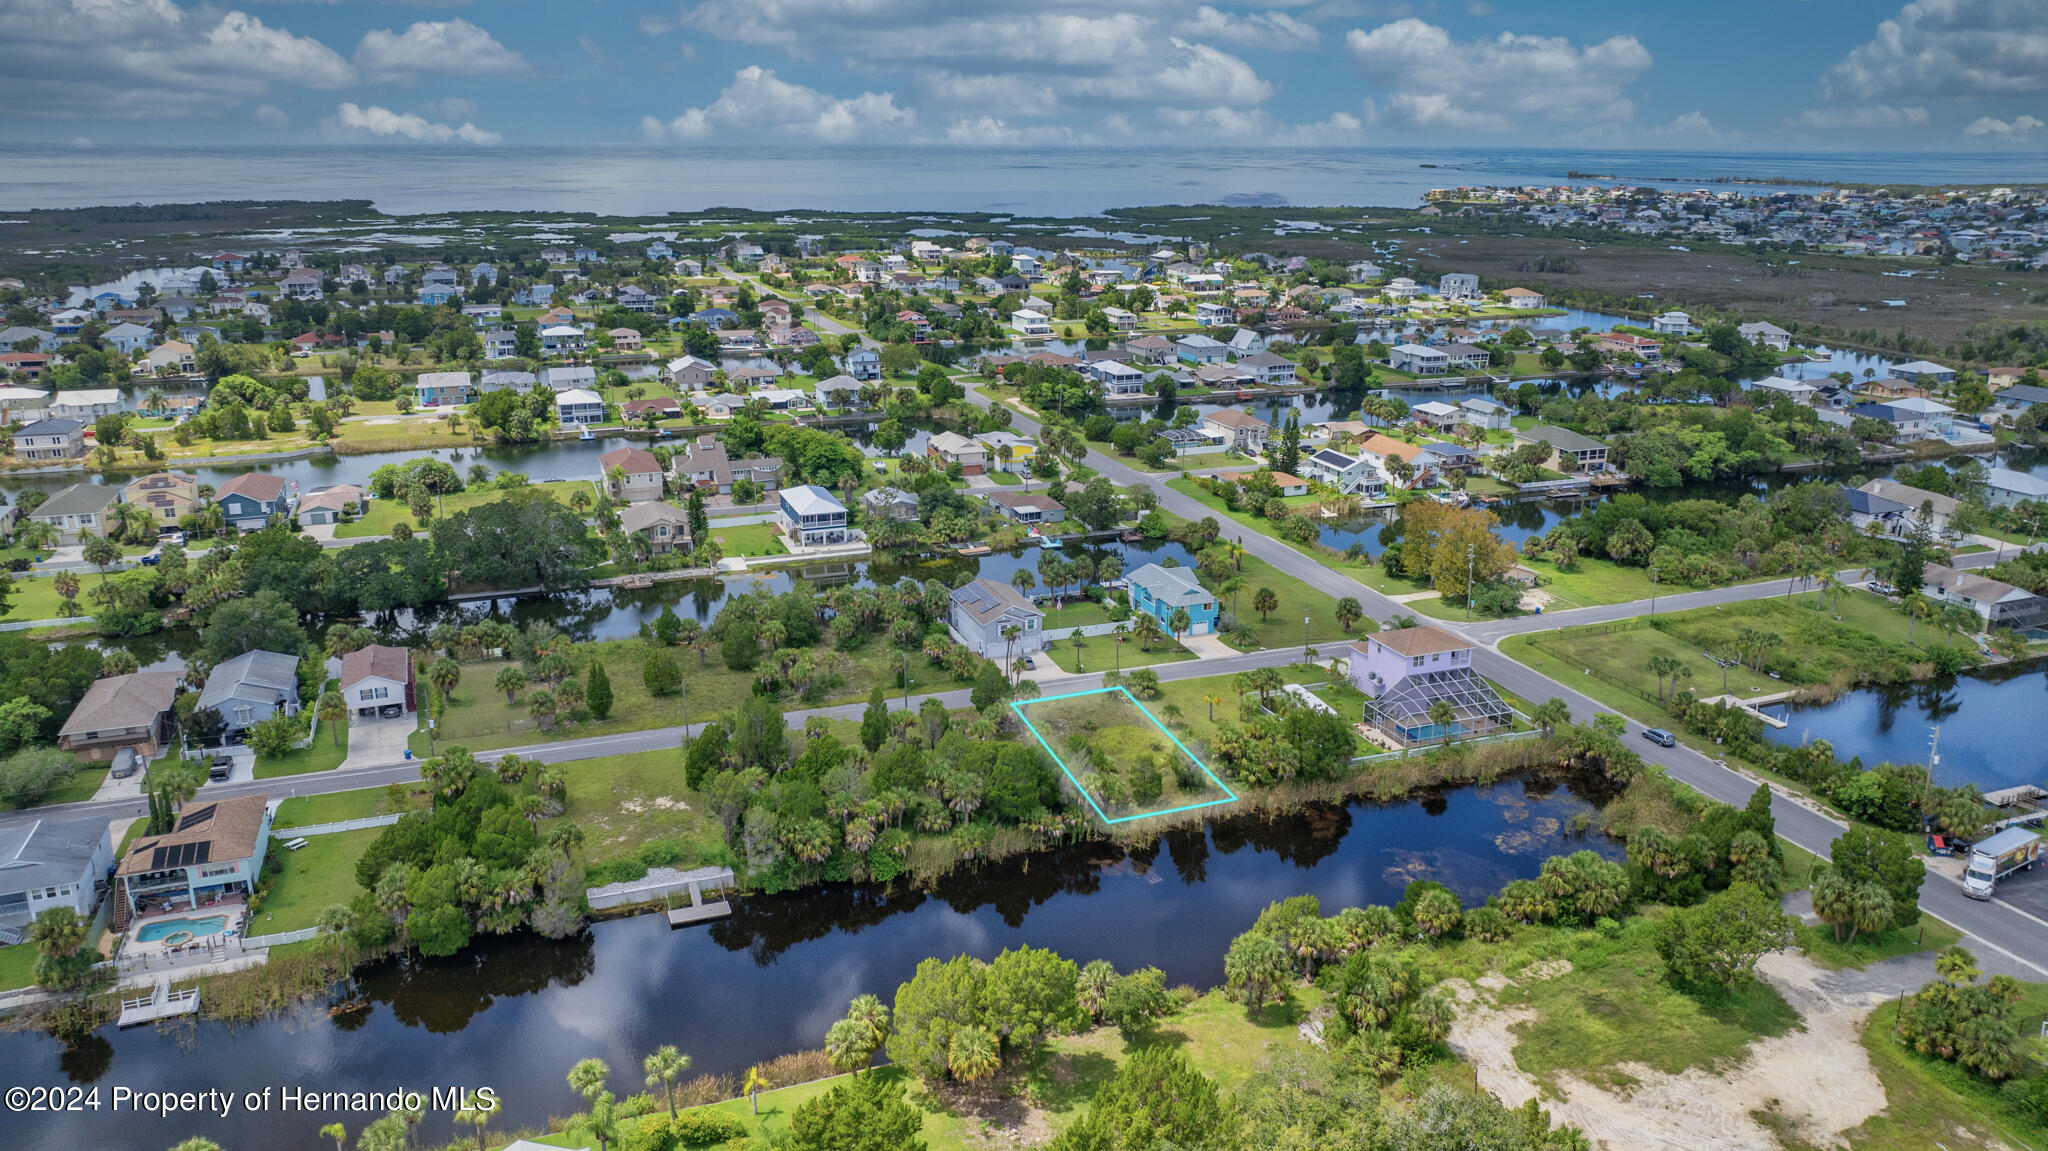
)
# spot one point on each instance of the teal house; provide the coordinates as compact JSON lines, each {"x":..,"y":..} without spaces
{"x":1157,"y":591}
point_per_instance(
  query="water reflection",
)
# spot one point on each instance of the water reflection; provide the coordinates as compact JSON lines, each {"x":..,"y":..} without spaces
{"x":1987,"y":726}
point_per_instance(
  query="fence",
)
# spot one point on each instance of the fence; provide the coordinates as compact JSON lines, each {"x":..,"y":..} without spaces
{"x":362,"y":824}
{"x":280,"y":938}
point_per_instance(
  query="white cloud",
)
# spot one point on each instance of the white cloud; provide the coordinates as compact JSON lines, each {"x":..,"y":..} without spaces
{"x":375,"y":122}
{"x":1936,"y":48}
{"x":2009,"y":129}
{"x":758,"y":103}
{"x":994,"y":131}
{"x":149,"y":58}
{"x":1492,"y":85}
{"x":451,"y":108}
{"x":957,"y":90}
{"x":270,"y":115}
{"x":1864,"y":116}
{"x":1187,"y":72}
{"x":440,"y":47}
{"x":1256,"y":126}
{"x":1274,"y":31}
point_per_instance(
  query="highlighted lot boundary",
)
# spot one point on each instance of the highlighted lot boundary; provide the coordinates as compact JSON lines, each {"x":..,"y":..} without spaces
{"x":1229,"y":796}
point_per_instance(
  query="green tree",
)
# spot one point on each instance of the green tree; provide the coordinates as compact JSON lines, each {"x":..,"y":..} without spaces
{"x":333,"y":712}
{"x":1156,"y":1099}
{"x":867,"y":1113}
{"x":939,"y":999}
{"x":597,"y":692}
{"x":974,"y":1053}
{"x":1348,"y":613}
{"x":990,"y":688}
{"x":874,"y":722}
{"x":1868,"y":855}
{"x":587,"y":1077}
{"x":1265,"y":601}
{"x":511,"y":678}
{"x":660,"y":674}
{"x":58,"y":935}
{"x":1030,"y":994}
{"x":1719,"y":941}
{"x":1256,"y":967}
{"x":663,"y":1067}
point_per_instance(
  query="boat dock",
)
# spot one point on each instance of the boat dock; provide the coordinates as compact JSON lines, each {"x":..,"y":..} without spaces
{"x":160,"y":1003}
{"x":698,"y":909}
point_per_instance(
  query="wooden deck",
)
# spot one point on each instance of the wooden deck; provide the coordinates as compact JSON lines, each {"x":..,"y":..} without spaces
{"x":160,"y":1003}
{"x":699,"y":909}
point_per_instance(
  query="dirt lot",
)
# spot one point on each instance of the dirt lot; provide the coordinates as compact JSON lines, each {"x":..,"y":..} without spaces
{"x":1820,"y":289}
{"x":1816,"y":1080}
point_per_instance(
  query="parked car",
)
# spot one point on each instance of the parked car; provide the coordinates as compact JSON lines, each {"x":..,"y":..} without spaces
{"x":223,"y":767}
{"x":391,"y":710}
{"x":1660,"y":737}
{"x":124,"y":763}
{"x":152,"y":557}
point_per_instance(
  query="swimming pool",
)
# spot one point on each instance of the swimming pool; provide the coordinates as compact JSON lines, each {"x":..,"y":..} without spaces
{"x":157,"y":929}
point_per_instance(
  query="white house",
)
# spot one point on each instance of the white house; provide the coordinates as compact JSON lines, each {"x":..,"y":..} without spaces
{"x":1925,"y":372}
{"x":1769,"y":335}
{"x":376,"y":677}
{"x":1672,"y":324}
{"x":565,"y":379}
{"x":1121,"y":320}
{"x":1458,"y":286}
{"x":1030,"y":322}
{"x":1117,"y":378}
{"x":1484,"y":413}
{"x":1523,"y":298}
{"x":1245,"y":342}
{"x":129,"y":338}
{"x":1215,"y":315}
{"x":1419,"y":359}
{"x":576,"y":408}
{"x":1780,"y":386}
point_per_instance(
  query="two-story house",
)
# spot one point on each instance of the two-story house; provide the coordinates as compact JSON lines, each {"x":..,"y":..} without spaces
{"x":48,"y":863}
{"x":979,"y":613}
{"x":1352,"y":475}
{"x":1569,"y":451}
{"x":376,"y":677}
{"x":1160,"y":591}
{"x":863,"y":364}
{"x":168,"y":496}
{"x":215,"y":849}
{"x":52,"y":439}
{"x":253,"y":501}
{"x":1018,"y":456}
{"x":578,"y":408}
{"x":706,"y":465}
{"x":1240,"y":430}
{"x":810,"y":517}
{"x":1201,"y":350}
{"x":130,"y":711}
{"x":953,"y":448}
{"x":443,"y":389}
{"x":252,"y":687}
{"x":78,"y":511}
{"x":631,"y":474}
{"x":1407,"y":671}
{"x":665,"y":526}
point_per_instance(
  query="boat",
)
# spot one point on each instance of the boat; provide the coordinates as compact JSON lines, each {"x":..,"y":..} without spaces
{"x":585,"y":435}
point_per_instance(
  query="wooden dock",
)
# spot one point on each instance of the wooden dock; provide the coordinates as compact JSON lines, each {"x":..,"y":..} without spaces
{"x":160,"y":1003}
{"x":699,"y":909}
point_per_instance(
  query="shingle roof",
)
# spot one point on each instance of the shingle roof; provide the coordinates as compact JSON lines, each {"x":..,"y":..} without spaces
{"x":986,"y":599}
{"x":255,"y":485}
{"x":222,"y":830}
{"x":118,"y":702}
{"x":78,"y":499}
{"x":1414,"y":641}
{"x":378,"y":660}
{"x":1233,"y":418}
{"x":47,"y":852}
{"x":1171,"y":585}
{"x":267,"y":675}
{"x":633,"y":461}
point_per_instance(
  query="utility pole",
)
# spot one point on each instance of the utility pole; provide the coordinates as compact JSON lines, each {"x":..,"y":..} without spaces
{"x":1653,"y":589}
{"x":1304,"y":637}
{"x":1468,"y":583}
{"x":686,"y":715}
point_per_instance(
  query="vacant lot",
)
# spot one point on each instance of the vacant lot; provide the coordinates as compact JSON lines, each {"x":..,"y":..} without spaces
{"x":1127,"y":763}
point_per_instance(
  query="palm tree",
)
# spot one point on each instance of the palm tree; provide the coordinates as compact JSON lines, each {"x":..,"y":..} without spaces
{"x":1010,"y":634}
{"x":332,"y":710}
{"x":102,"y":553}
{"x":338,"y":920}
{"x":973,"y":1054}
{"x":1147,"y":630}
{"x":1916,"y":606}
{"x":1348,"y":613}
{"x":1023,"y":581}
{"x":663,"y":1067}
{"x":1119,"y":635}
{"x":1443,"y":715}
{"x":1265,"y":601}
{"x":587,"y":1077}
{"x":478,"y":1115}
{"x":1179,"y":622}
{"x":1212,"y":699}
{"x":511,"y":678}
{"x":1663,"y":666}
{"x":338,"y":1133}
{"x":65,"y":584}
{"x":1957,"y":618}
{"x":754,"y":1085}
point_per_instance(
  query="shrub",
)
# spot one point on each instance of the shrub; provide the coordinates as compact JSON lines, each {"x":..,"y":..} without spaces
{"x":705,"y":1128}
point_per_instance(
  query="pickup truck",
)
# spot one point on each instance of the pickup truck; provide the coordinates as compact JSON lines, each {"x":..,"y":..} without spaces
{"x":2014,"y":849}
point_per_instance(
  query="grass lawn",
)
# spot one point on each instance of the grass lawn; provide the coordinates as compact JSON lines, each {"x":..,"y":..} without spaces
{"x":339,"y":806}
{"x":17,"y":966}
{"x":1005,"y":479}
{"x":1098,"y":653}
{"x":749,"y":540}
{"x":315,"y":877}
{"x":1593,"y":582}
{"x":1932,"y":1103}
{"x":1928,"y":935}
{"x":1076,"y":613}
{"x":37,"y":598}
{"x":82,"y":784}
{"x":1194,"y":724}
{"x":623,"y":801}
{"x":1114,"y":748}
{"x":387,"y":514}
{"x":322,"y":755}
{"x":1282,"y":626}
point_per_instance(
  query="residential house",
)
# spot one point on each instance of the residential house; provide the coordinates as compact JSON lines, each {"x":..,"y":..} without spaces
{"x":49,"y":862}
{"x":1239,"y":429}
{"x":506,"y":382}
{"x":85,"y":403}
{"x":1672,"y":323}
{"x":1267,"y":368}
{"x":1868,"y":508}
{"x":1349,"y":474}
{"x":501,"y":344}
{"x":1419,"y":360}
{"x":534,"y":296}
{"x":1998,"y":604}
{"x":579,"y":408}
{"x":889,"y":503}
{"x":167,"y":496}
{"x":215,"y":849}
{"x":634,"y":298}
{"x":484,"y":274}
{"x":123,"y":711}
{"x":27,"y":406}
{"x":1465,"y":357}
{"x":1773,"y":386}
{"x":978,"y":615}
{"x":840,"y":391}
{"x":1026,"y":507}
{"x":28,"y":366}
{"x":44,"y":341}
{"x":1117,"y":378}
{"x":563,"y":379}
{"x":1030,"y":322}
{"x":1918,"y":502}
{"x":1245,"y":342}
{"x":1289,"y":485}
{"x":304,"y":284}
{"x":1925,"y":372}
{"x":483,"y":315}
{"x":1121,"y":320}
{"x":638,"y":475}
{"x":377,"y":677}
{"x":666,"y":526}
{"x":562,"y":339}
{"x":171,"y":356}
{"x":1017,"y":460}
{"x":1201,"y":350}
{"x":1569,"y":451}
{"x":1767,"y":334}
{"x":1150,"y":349}
{"x":441,"y":277}
{"x":625,"y":339}
{"x":443,"y":389}
{"x":660,"y":407}
{"x":690,"y":373}
{"x":1643,"y":348}
{"x":1214,"y":315}
{"x":253,"y":501}
{"x":705,"y":465}
{"x":1524,"y":299}
{"x":1911,"y":419}
{"x":250,"y":688}
{"x":2005,"y":487}
{"x":1891,"y":388}
{"x":1440,"y":459}
{"x":1160,"y":591}
{"x":332,"y":505}
{"x":52,"y":439}
{"x":1486,"y":414}
{"x":434,"y":295}
{"x":1437,"y":414}
{"x":953,"y":448}
{"x":78,"y":511}
{"x":1406,"y":672}
{"x":809,"y":516}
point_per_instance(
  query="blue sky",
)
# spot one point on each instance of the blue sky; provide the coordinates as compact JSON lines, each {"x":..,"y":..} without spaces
{"x":1736,"y":75}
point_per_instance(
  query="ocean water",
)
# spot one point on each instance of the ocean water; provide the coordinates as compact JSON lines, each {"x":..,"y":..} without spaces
{"x":636,"y":179}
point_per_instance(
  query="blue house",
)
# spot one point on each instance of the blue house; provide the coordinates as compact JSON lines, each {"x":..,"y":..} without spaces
{"x":1158,"y":591}
{"x":253,"y":501}
{"x":716,"y":318}
{"x":436,"y":295}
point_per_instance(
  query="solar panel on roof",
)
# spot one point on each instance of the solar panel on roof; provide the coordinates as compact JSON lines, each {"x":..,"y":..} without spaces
{"x":196,"y":817}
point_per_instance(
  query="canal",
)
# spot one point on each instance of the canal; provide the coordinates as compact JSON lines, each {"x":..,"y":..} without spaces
{"x":514,"y":1012}
{"x":1987,"y":724}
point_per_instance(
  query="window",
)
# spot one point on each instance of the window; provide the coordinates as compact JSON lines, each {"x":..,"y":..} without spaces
{"x":244,"y":715}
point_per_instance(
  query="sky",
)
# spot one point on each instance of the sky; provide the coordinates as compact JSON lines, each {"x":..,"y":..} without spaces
{"x":1735,"y":75}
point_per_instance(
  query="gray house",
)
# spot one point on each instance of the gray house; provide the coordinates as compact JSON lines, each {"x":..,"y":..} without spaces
{"x":978,"y":613}
{"x":888,"y":504}
{"x":251,"y":688}
{"x":50,"y":863}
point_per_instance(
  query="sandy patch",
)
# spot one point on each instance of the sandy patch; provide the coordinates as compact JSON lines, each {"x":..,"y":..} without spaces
{"x":1817,"y":1078}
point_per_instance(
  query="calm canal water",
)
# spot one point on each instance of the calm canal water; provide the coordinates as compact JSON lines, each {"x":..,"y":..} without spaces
{"x":514,"y":1013}
{"x":1989,"y":726}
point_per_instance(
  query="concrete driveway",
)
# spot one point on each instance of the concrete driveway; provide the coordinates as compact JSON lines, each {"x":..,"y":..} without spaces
{"x":377,"y":742}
